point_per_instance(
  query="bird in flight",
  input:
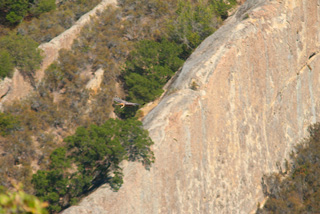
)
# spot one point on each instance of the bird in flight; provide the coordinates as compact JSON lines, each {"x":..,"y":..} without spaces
{"x":124,"y":103}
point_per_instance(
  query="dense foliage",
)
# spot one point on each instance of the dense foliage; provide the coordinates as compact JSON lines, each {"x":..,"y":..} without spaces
{"x":8,"y":123}
{"x":298,"y":189}
{"x":14,"y":11}
{"x":91,"y":157}
{"x":6,"y":63}
{"x":192,"y":24}
{"x":20,"y":52}
{"x":149,"y":67}
{"x":221,"y":7}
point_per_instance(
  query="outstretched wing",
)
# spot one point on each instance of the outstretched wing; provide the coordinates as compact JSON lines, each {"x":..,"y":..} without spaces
{"x":118,"y":100}
{"x":123,"y":102}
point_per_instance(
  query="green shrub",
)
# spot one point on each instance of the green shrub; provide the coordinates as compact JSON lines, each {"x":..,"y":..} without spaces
{"x":42,"y":6}
{"x":14,"y":10}
{"x":24,"y":53}
{"x":221,"y":7}
{"x":6,"y":63}
{"x":149,"y":67}
{"x":193,"y":22}
{"x":8,"y":123}
{"x":92,"y":156}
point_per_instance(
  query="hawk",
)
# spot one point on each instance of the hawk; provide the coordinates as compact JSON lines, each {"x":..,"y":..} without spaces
{"x":124,"y":103}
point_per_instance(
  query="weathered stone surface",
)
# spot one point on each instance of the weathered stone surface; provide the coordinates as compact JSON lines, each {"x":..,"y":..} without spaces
{"x":15,"y":87}
{"x":258,"y":80}
{"x":5,"y":87}
{"x":95,"y":82}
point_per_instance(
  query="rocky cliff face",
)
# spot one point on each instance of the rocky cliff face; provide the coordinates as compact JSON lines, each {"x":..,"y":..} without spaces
{"x":257,"y":90}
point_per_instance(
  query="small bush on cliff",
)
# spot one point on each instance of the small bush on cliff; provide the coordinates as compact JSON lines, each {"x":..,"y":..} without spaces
{"x":6,"y":64}
{"x":8,"y":123}
{"x":221,"y":7}
{"x":42,"y":6}
{"x":297,"y":191}
{"x":23,"y":53}
{"x":149,"y":67}
{"x":192,"y":23}
{"x":91,"y":157}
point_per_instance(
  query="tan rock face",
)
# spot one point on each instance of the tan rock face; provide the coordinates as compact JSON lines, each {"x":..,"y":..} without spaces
{"x":5,"y":87}
{"x":258,"y":79}
{"x":95,"y":82}
{"x":14,"y":88}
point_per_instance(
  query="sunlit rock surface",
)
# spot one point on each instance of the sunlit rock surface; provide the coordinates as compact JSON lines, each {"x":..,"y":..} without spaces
{"x":257,"y":91}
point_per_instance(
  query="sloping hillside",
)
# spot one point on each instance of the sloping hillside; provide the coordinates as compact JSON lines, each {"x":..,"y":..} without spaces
{"x":20,"y":87}
{"x":138,"y":45}
{"x":256,"y":92}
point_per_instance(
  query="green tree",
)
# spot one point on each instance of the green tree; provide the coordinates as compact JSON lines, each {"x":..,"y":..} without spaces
{"x":8,"y":123}
{"x":194,"y":22}
{"x":24,"y":53}
{"x":51,"y":186}
{"x":58,"y":159}
{"x":42,"y":6}
{"x":6,"y":63}
{"x":14,"y":10}
{"x":92,"y":156}
{"x":149,"y":67}
{"x":221,"y":7}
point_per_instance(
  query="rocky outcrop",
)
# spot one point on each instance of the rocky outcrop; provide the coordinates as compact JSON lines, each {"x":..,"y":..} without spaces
{"x":14,"y":88}
{"x":51,"y":53}
{"x":64,"y":40}
{"x":5,"y":87}
{"x":96,"y":80}
{"x":257,"y":91}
